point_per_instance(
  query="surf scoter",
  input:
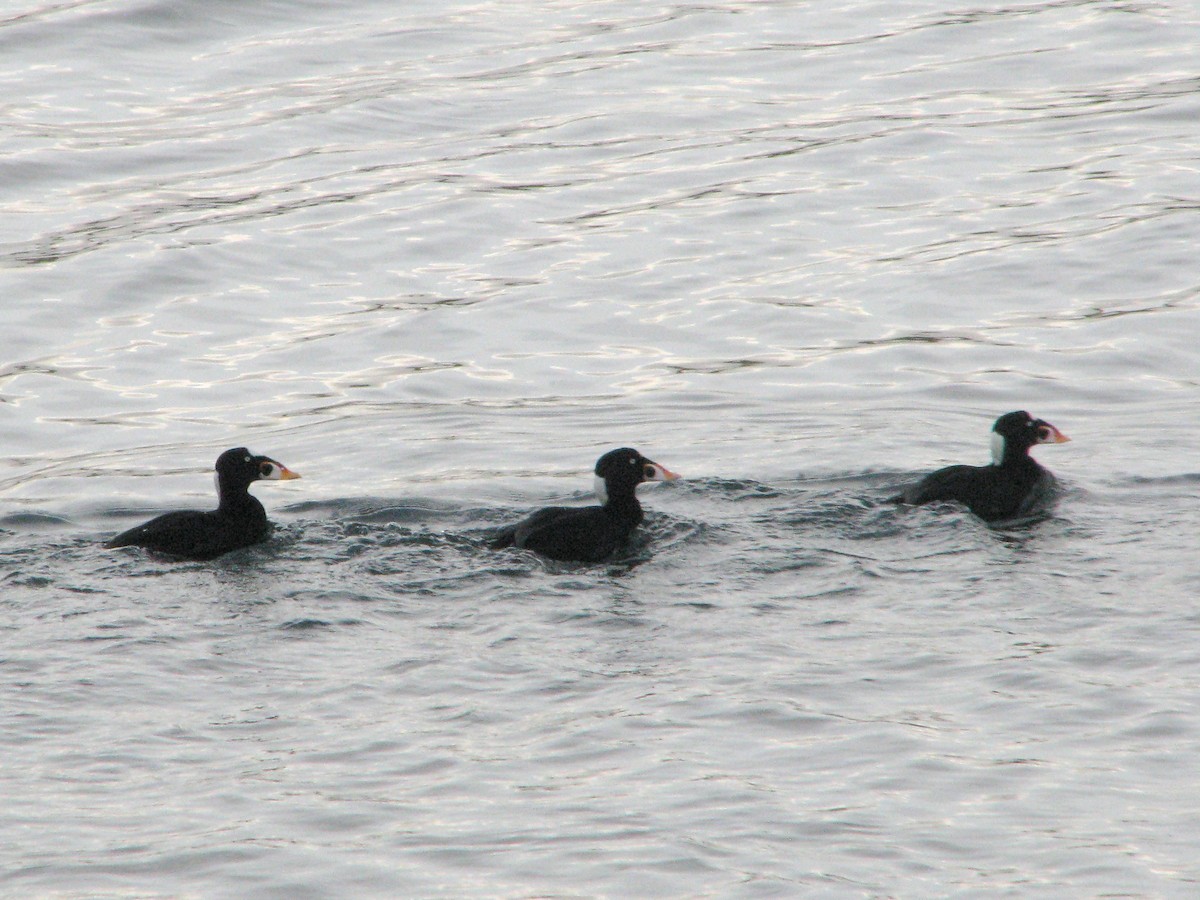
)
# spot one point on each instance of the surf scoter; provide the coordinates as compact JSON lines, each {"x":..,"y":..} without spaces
{"x":590,"y":533}
{"x":238,"y":521}
{"x":1013,"y":485}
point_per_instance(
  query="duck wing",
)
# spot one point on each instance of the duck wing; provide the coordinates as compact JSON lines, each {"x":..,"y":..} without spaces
{"x":582,"y":534}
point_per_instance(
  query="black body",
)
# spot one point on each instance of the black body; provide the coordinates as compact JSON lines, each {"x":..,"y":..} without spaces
{"x":238,"y":521}
{"x":590,"y":533}
{"x":1014,"y":485}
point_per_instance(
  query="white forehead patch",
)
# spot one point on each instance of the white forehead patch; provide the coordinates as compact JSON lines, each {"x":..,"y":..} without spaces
{"x":998,"y":444}
{"x":600,"y":488}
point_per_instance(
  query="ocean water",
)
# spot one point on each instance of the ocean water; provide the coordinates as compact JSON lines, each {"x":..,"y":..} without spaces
{"x":438,"y":257}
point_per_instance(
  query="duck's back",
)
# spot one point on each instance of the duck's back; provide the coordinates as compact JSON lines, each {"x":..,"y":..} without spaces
{"x":991,"y":492}
{"x":583,"y":534}
{"x":193,"y":534}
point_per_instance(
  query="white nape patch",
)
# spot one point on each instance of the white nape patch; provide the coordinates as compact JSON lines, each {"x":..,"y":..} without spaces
{"x":600,"y":488}
{"x":217,"y":482}
{"x":998,"y":444}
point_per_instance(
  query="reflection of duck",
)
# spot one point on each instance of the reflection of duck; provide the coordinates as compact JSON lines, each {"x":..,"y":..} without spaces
{"x":1010,"y":486}
{"x":238,"y":521}
{"x":591,"y":533}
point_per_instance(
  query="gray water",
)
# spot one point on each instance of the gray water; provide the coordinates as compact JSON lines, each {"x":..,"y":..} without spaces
{"x":438,"y":257}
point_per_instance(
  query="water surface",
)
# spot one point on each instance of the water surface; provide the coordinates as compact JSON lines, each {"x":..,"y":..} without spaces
{"x":439,"y":259}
